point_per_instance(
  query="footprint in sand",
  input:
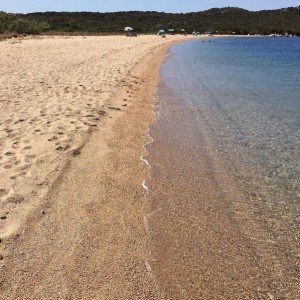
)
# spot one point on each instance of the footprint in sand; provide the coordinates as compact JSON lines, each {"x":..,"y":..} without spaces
{"x":16,"y":145}
{"x":3,"y":192}
{"x":53,"y":138}
{"x":76,"y":152}
{"x":7,"y":167}
{"x":89,"y":116}
{"x":19,"y":121}
{"x":34,"y":120}
{"x":63,"y":148}
{"x":114,"y":108}
{"x":27,"y":148}
{"x":8,"y":131}
{"x":9,"y":153}
{"x":16,"y":199}
{"x":101,"y":112}
{"x":89,"y":124}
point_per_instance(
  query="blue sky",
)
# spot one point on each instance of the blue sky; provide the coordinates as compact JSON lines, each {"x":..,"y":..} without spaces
{"x":24,"y":6}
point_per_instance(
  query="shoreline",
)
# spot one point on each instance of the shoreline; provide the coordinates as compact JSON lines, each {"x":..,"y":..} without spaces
{"x":89,"y":228}
{"x":210,"y":237}
{"x":12,"y":36}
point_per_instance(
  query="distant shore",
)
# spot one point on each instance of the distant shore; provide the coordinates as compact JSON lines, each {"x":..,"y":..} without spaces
{"x":225,"y":20}
{"x":20,"y":37}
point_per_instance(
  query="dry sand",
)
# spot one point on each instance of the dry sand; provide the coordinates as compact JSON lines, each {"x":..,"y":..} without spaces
{"x":73,"y":119}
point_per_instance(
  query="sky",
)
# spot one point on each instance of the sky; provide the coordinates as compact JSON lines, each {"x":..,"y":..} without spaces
{"x":25,"y":6}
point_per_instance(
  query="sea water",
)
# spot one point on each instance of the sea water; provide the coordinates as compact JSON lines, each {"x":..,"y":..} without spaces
{"x":228,"y":115}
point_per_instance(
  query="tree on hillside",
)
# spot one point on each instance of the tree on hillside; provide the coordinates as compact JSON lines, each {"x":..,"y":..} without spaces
{"x":14,"y":23}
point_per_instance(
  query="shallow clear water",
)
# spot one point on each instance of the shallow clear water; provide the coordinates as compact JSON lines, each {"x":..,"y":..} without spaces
{"x":235,"y":101}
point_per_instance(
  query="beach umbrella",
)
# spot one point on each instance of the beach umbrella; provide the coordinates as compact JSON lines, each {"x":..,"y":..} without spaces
{"x":128,"y":29}
{"x":170,"y":30}
{"x":161,"y":31}
{"x":182,"y":30}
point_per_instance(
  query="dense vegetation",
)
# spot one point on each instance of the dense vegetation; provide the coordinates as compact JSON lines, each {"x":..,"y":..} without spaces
{"x":223,"y":20}
{"x":14,"y":23}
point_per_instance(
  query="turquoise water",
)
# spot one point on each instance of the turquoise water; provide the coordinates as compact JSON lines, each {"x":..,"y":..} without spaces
{"x":235,"y":101}
{"x":248,"y":93}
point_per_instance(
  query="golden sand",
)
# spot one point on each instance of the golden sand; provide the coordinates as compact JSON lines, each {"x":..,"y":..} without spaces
{"x":73,"y":119}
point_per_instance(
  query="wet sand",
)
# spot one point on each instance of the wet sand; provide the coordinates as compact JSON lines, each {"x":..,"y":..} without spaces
{"x":74,"y":117}
{"x":208,"y":238}
{"x":199,"y":249}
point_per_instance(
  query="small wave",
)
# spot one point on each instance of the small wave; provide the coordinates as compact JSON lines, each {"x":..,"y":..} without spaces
{"x":145,"y":187}
{"x":142,"y":158}
{"x":168,"y":55}
{"x":147,"y":217}
{"x":145,"y":161}
{"x":149,"y":269}
{"x":156,"y":112}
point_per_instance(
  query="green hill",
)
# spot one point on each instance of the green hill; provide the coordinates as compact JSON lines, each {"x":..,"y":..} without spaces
{"x":222,"y":20}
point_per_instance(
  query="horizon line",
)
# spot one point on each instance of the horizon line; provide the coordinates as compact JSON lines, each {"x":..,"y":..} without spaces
{"x":124,"y":11}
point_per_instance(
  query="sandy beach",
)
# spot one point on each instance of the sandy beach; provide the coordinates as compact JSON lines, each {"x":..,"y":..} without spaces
{"x":74,"y":117}
{"x":105,"y":196}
